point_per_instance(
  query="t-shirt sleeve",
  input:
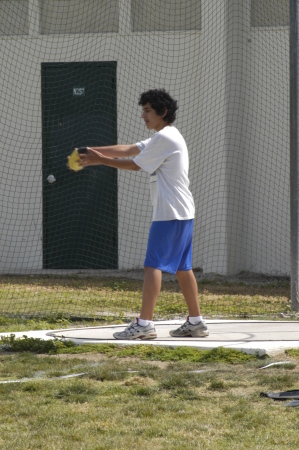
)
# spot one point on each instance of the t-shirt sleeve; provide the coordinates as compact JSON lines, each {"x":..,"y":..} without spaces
{"x":142,"y":144}
{"x":153,"y":153}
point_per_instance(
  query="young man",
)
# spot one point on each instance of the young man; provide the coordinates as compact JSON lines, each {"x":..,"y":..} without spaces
{"x":165,"y":158}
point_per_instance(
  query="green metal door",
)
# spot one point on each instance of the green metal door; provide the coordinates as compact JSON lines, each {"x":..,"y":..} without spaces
{"x":79,"y":208}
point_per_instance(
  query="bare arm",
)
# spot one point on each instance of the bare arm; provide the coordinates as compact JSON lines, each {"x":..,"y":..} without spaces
{"x":117,"y":151}
{"x":95,"y":158}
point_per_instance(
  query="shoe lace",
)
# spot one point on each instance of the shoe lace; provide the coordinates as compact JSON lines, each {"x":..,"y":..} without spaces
{"x":131,"y":327}
{"x":185,"y":326}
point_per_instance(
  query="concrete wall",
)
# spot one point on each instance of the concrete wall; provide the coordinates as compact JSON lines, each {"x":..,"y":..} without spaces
{"x":266,"y":137}
{"x":231,"y":83}
{"x":243,"y":197}
{"x":143,"y":62}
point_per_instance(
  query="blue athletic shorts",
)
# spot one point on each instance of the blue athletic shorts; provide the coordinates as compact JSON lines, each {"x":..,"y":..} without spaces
{"x":169,"y":246}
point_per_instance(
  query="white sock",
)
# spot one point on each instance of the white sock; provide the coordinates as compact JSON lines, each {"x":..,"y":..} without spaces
{"x":195,"y":319}
{"x":145,"y":323}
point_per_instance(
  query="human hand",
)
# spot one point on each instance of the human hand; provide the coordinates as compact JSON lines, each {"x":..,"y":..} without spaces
{"x":90,"y":158}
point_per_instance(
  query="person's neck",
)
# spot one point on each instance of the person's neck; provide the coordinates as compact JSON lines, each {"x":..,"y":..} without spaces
{"x":163,"y":126}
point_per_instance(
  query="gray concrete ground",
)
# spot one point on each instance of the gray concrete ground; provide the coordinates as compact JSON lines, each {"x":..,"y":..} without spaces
{"x":262,"y":337}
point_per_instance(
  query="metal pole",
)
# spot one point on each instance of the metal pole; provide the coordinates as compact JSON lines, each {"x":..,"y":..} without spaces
{"x":294,"y":141}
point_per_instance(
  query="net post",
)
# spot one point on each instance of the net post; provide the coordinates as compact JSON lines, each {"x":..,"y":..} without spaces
{"x":294,"y":141}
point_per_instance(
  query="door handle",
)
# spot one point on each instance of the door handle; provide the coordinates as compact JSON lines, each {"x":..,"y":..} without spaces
{"x":51,"y":179}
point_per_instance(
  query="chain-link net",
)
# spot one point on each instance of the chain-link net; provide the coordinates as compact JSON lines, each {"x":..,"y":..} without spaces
{"x":73,"y":244}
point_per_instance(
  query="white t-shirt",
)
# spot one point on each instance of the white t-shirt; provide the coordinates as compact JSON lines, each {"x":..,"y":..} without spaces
{"x":165,"y":158}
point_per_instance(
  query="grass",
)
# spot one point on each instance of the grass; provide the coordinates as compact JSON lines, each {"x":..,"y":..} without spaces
{"x":135,"y":398}
{"x":55,"y":346}
{"x":58,"y":301}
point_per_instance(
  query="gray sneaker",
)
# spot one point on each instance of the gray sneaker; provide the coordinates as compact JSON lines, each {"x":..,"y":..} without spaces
{"x":135,"y":331}
{"x":189,"y":330}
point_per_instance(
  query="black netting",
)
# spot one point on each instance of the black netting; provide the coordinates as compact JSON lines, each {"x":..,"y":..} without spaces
{"x":71,"y":74}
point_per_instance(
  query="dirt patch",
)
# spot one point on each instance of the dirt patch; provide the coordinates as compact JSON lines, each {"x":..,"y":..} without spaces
{"x":96,"y":357}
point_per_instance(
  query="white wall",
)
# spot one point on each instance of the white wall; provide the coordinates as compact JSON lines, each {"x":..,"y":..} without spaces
{"x":267,"y":204}
{"x":143,"y":61}
{"x":232,"y":90}
{"x":210,"y":187}
{"x":243,"y":198}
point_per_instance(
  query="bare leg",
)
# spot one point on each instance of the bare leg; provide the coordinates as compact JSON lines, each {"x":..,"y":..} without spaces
{"x":150,"y":293}
{"x":189,"y":289}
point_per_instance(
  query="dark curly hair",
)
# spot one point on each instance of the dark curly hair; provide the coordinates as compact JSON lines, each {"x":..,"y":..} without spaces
{"x":160,"y":101}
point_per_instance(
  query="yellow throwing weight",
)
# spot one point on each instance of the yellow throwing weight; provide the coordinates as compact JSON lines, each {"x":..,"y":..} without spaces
{"x":73,"y":161}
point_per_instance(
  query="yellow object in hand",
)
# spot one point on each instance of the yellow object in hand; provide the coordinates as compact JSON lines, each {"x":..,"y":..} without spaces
{"x":74,"y":161}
